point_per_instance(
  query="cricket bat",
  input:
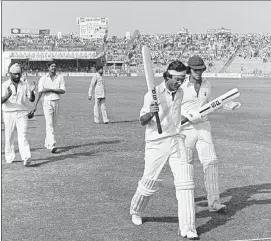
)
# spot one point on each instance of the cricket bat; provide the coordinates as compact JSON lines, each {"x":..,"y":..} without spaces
{"x":217,"y":103}
{"x":150,"y":80}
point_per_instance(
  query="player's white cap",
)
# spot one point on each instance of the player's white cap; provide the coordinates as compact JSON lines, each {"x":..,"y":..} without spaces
{"x":15,"y":69}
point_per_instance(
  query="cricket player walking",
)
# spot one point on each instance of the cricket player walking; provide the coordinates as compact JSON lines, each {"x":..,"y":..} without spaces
{"x":197,"y":92}
{"x":14,"y":107}
{"x":50,"y":86}
{"x":97,"y":86}
{"x":167,"y":146}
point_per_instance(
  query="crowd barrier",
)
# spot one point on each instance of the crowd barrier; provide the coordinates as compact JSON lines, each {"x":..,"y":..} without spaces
{"x":213,"y":75}
{"x":206,"y":75}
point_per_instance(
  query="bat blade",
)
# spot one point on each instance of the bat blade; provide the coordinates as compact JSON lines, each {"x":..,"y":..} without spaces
{"x":150,"y":80}
{"x":148,"y":68}
{"x":217,"y":103}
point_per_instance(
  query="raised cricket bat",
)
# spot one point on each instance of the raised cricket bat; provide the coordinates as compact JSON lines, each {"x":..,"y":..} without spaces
{"x":150,"y":80}
{"x":217,"y":103}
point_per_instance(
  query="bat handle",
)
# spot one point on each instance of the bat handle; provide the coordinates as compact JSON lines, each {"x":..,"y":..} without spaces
{"x":184,"y":121}
{"x":158,"y":122}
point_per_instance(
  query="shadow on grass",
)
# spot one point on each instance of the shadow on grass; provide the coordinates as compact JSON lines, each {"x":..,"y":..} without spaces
{"x":160,"y":219}
{"x":68,"y":148}
{"x":60,"y":158}
{"x":55,"y":158}
{"x":125,"y":121}
{"x":62,"y":149}
{"x":240,"y":198}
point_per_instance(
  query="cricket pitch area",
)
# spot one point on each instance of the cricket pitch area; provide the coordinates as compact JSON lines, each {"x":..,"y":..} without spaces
{"x":83,"y":192}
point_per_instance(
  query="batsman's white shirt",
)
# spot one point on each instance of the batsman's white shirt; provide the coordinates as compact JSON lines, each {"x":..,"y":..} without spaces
{"x":198,"y":134}
{"x":46,"y":82}
{"x":192,"y":100}
{"x":169,"y":113}
{"x":17,"y":101}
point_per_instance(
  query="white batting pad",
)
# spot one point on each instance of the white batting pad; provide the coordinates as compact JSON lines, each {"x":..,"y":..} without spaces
{"x":211,"y":183}
{"x":146,"y":188}
{"x":185,"y":196}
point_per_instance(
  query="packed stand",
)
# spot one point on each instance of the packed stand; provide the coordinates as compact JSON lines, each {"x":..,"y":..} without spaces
{"x":164,"y":47}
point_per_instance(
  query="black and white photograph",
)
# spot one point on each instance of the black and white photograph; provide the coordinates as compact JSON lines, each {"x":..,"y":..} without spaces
{"x":135,"y":120}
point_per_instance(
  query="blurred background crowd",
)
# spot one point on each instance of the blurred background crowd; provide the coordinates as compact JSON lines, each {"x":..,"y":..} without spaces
{"x":217,"y":50}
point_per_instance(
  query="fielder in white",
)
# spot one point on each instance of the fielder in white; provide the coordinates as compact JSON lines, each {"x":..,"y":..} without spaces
{"x":197,"y":92}
{"x":14,"y":107}
{"x":168,"y":146}
{"x":51,"y":86}
{"x":97,"y":86}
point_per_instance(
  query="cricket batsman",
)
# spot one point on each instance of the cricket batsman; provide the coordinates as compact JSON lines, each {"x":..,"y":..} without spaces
{"x":167,"y":146}
{"x":197,"y":92}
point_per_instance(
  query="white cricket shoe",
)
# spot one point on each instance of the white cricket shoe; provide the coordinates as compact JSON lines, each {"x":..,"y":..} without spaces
{"x":136,"y":219}
{"x":189,"y":234}
{"x":27,"y":162}
{"x":217,"y":207}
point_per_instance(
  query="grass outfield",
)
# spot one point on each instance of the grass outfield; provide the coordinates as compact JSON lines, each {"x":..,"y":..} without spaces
{"x":83,"y":192}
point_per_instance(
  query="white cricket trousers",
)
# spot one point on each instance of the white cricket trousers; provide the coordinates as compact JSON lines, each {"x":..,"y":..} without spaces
{"x":51,"y":110}
{"x":157,"y":153}
{"x":100,"y":103}
{"x":199,"y":136}
{"x":19,"y":120}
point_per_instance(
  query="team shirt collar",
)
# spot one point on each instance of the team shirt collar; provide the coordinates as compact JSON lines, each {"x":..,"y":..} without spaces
{"x":162,"y":88}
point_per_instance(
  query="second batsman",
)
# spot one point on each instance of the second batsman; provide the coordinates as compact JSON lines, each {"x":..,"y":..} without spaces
{"x":197,"y":92}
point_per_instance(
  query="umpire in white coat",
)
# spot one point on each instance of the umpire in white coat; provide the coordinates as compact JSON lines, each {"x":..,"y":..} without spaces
{"x":14,"y":107}
{"x":97,"y":86}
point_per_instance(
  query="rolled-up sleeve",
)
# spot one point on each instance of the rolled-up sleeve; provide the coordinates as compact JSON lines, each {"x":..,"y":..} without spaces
{"x":147,"y":102}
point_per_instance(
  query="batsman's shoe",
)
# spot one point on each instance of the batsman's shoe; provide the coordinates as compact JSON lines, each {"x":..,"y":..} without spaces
{"x":27,"y":162}
{"x":217,"y":207}
{"x":136,"y":219}
{"x":188,"y":234}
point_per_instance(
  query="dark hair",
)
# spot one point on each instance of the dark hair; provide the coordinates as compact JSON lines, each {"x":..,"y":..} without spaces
{"x":175,"y":65}
{"x":49,"y":63}
{"x":99,"y":67}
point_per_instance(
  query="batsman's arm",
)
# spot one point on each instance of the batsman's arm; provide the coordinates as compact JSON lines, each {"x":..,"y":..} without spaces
{"x":145,"y":119}
{"x":148,"y":109}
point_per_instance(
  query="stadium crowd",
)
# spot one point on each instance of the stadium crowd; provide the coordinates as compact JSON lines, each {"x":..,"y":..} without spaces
{"x":164,"y":47}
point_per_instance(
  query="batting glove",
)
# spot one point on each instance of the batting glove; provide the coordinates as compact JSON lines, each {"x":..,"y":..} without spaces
{"x":232,"y":106}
